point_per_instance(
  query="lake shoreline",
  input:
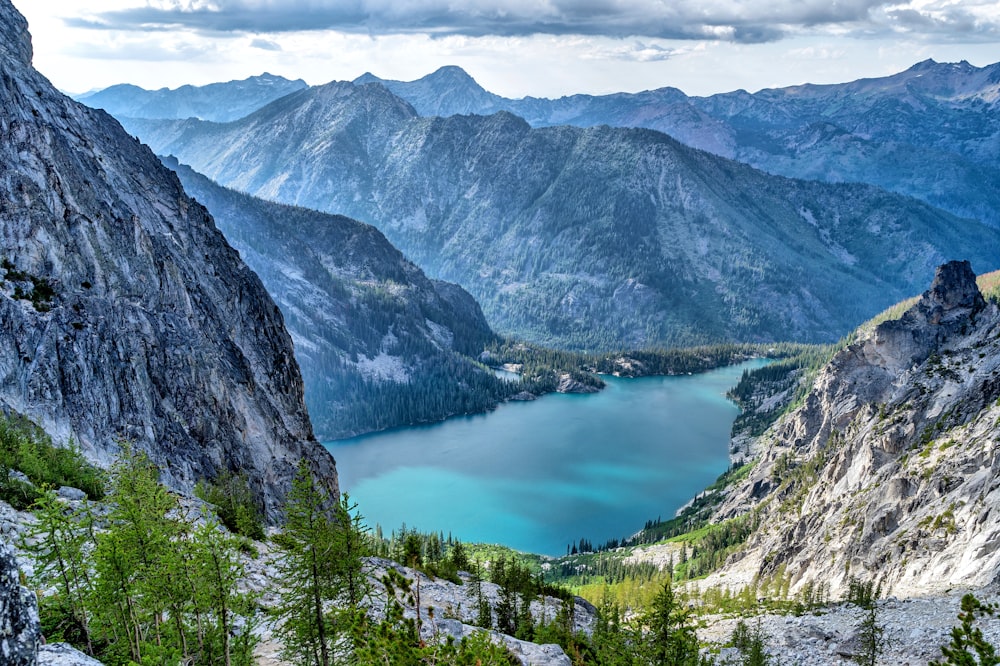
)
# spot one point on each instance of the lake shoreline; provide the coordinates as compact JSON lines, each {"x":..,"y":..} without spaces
{"x":532,"y":475}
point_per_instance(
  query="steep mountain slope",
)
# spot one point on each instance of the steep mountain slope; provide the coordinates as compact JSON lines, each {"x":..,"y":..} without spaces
{"x":588,"y":238}
{"x":930,"y":132}
{"x":379,"y":344}
{"x":889,"y":471}
{"x":219,"y":102}
{"x":124,"y":314}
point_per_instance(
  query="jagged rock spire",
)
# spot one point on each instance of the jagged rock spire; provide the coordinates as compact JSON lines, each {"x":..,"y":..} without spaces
{"x":954,"y":287}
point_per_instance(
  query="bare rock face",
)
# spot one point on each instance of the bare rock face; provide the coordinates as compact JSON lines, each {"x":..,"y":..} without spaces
{"x":19,"y":628}
{"x":124,"y":314}
{"x":947,"y":308}
{"x":15,"y":43}
{"x":890,"y":470}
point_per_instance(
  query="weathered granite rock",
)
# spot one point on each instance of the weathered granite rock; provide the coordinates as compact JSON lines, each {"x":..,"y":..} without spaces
{"x":19,"y":628}
{"x":64,"y":654}
{"x":890,"y":470}
{"x":947,"y":308}
{"x":124,"y":314}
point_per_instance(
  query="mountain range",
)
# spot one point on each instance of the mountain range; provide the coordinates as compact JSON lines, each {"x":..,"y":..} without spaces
{"x":929,"y":132}
{"x":217,"y":102}
{"x":589,"y":238}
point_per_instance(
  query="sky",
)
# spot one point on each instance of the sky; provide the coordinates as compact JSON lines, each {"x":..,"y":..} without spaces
{"x":544,"y":48}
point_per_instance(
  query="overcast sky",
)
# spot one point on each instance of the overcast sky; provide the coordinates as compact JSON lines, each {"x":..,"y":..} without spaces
{"x":513,"y":47}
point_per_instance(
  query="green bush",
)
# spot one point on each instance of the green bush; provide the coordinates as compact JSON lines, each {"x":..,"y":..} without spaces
{"x":234,"y":503}
{"x":26,"y":448}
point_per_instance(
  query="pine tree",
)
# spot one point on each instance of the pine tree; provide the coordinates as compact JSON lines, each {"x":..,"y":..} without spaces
{"x":871,"y":630}
{"x":751,"y":643}
{"x":308,"y":573}
{"x":132,"y":589}
{"x":217,"y":570}
{"x":671,"y":637}
{"x":351,"y":545}
{"x":484,"y":613}
{"x":968,"y":646}
{"x":615,"y":644}
{"x":59,"y":539}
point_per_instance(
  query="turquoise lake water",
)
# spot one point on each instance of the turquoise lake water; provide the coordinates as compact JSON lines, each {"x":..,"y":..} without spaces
{"x":539,"y":475}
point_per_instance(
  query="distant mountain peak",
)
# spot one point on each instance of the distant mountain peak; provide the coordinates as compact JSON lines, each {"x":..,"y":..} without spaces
{"x":452,"y":76}
{"x":451,"y":71}
{"x":931,"y":64}
{"x":268,"y":78}
{"x":446,"y":91}
{"x":219,"y":102}
{"x":367,"y":77}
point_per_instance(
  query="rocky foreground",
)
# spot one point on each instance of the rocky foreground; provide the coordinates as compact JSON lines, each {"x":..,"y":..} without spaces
{"x":444,"y":609}
{"x":915,"y":630}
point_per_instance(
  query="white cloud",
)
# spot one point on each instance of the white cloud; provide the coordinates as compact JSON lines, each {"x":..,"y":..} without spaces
{"x":544,"y":64}
{"x":749,"y":21}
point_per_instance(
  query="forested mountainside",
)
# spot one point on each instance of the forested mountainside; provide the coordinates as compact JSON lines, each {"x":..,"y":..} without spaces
{"x":379,"y":344}
{"x":889,"y":470}
{"x":218,"y":102}
{"x":586,"y":238}
{"x":931,"y":132}
{"x":125,"y":317}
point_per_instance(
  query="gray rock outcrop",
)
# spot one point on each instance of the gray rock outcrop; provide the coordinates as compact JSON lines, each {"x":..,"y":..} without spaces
{"x":19,"y":627}
{"x":890,"y":469}
{"x":124,"y":314}
{"x":64,"y":654}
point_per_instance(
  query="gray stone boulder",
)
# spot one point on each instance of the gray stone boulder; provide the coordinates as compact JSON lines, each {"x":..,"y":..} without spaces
{"x":20,"y":631}
{"x":64,"y":654}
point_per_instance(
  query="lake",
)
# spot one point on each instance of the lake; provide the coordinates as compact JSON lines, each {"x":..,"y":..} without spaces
{"x":539,"y":475}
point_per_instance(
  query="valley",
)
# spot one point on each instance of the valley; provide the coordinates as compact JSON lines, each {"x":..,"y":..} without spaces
{"x":348,"y":373}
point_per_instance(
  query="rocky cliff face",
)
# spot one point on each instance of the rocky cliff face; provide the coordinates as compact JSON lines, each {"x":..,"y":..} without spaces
{"x":890,"y":470}
{"x":124,"y":314}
